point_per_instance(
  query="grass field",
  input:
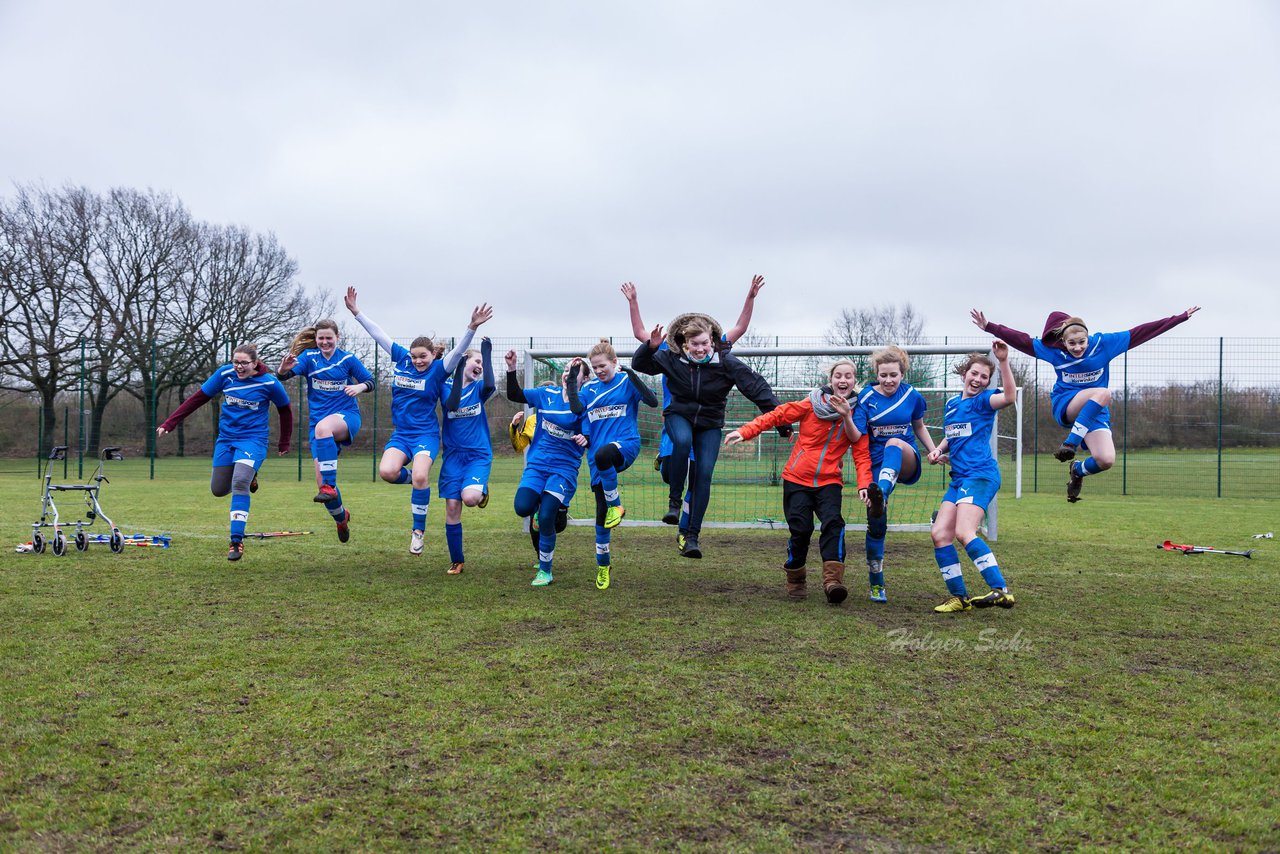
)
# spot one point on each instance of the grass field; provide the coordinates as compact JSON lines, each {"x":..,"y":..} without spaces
{"x":316,"y":696}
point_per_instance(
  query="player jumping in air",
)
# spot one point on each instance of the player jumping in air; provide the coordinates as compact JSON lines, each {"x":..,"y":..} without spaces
{"x":247,"y":388}
{"x":1080,"y":396}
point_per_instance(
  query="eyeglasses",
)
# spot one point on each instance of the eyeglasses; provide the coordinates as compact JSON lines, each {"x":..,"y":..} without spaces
{"x":240,"y":364}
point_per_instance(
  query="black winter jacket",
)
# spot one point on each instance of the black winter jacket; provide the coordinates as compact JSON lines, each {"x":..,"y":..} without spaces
{"x":698,"y":392}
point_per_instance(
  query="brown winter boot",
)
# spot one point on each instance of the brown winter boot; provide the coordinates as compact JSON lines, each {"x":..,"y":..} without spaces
{"x":795,"y":583}
{"x":833,"y":581}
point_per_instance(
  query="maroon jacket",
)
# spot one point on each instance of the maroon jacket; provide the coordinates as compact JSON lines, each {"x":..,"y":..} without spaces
{"x":1021,"y":341}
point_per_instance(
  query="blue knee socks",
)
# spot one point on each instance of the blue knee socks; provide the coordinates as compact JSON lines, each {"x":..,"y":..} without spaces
{"x":889,"y":468}
{"x":239,"y":516}
{"x":326,"y":451}
{"x":980,"y":553}
{"x":603,"y":536}
{"x":419,"y":500}
{"x":453,"y":538}
{"x":949,"y":562}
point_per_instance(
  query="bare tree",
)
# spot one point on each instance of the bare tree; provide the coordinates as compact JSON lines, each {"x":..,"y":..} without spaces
{"x":44,"y":315}
{"x":881,"y":325}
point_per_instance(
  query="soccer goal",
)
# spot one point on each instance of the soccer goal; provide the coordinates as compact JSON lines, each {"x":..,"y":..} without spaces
{"x":747,"y":489}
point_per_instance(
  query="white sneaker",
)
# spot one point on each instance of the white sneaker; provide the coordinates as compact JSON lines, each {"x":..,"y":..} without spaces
{"x":415,"y":543}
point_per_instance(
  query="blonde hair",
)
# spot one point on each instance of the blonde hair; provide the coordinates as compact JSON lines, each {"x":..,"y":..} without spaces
{"x":837,"y":363}
{"x":604,"y":348}
{"x":306,"y":337}
{"x":892,"y":353}
{"x":962,"y":367}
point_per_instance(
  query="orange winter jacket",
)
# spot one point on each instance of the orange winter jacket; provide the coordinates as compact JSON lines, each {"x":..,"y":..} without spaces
{"x":817,"y":457}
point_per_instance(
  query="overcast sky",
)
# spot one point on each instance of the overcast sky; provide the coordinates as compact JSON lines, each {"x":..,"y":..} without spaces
{"x":1119,"y":160}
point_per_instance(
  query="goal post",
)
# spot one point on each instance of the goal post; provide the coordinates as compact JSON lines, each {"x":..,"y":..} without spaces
{"x":746,"y":490}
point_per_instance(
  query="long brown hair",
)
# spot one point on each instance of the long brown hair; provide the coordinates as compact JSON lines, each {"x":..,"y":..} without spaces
{"x":306,"y":337}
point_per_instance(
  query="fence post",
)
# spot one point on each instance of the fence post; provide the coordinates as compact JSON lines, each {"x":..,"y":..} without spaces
{"x":1220,"y":417}
{"x":1035,"y":433}
{"x":80,"y":442}
{"x":151,"y":411}
{"x":1124,"y":453}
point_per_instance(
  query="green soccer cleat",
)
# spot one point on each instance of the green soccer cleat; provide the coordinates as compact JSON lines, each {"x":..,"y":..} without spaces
{"x":955,"y":603}
{"x":614,"y":516}
{"x":999,"y":598}
{"x":542,"y":579}
{"x":602,"y":577}
{"x":878,"y":594}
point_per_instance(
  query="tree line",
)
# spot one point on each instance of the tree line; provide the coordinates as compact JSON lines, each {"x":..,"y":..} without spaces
{"x":125,"y":292}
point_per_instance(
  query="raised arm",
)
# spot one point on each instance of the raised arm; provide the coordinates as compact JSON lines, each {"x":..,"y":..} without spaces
{"x":633,"y":305}
{"x":571,"y":387}
{"x":1008,"y":385}
{"x":454,"y":400}
{"x":480,"y":315}
{"x":1144,"y":332}
{"x":744,"y":318}
{"x":643,"y":359}
{"x":1020,"y":341}
{"x":374,"y":330}
{"x":486,"y":363}
{"x":515,"y":392}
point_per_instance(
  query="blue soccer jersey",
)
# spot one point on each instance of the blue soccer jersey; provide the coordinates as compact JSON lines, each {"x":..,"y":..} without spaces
{"x":414,"y":394}
{"x":1088,"y":371}
{"x":326,"y":381}
{"x":245,"y":403}
{"x":967,"y":423}
{"x":467,"y":427}
{"x":611,"y":411}
{"x":553,"y":448}
{"x":883,"y":417}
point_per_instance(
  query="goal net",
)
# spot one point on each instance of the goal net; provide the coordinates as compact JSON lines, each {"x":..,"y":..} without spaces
{"x":746,"y":490}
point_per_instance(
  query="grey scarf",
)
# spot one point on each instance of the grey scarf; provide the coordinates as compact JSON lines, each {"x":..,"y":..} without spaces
{"x":822,"y":409}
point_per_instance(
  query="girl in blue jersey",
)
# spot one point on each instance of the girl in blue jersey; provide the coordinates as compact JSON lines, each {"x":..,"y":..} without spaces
{"x":1080,"y":396}
{"x":551,"y":465}
{"x":247,"y":388}
{"x":611,"y":423}
{"x":891,"y":414}
{"x":417,"y":380}
{"x":468,"y":450}
{"x":334,"y":378}
{"x":968,"y":420}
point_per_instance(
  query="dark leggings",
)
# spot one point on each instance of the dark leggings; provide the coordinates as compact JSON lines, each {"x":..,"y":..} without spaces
{"x":552,"y":515}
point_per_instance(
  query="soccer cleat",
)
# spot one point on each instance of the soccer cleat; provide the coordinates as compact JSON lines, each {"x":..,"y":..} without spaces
{"x":614,"y":516}
{"x":876,"y":496}
{"x":602,"y":577}
{"x":455,"y":568}
{"x":484,"y":500}
{"x":326,"y":494}
{"x":955,"y":603}
{"x":236,"y":551}
{"x":672,"y":516}
{"x":680,"y":541}
{"x":415,"y":542}
{"x":1073,"y":485}
{"x":1001,"y":598}
{"x":689,"y":547}
{"x":878,"y":594}
{"x":344,"y":527}
{"x":253,"y":484}
{"x":533,"y":523}
{"x":1065,"y":454}
{"x":542,"y":579}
